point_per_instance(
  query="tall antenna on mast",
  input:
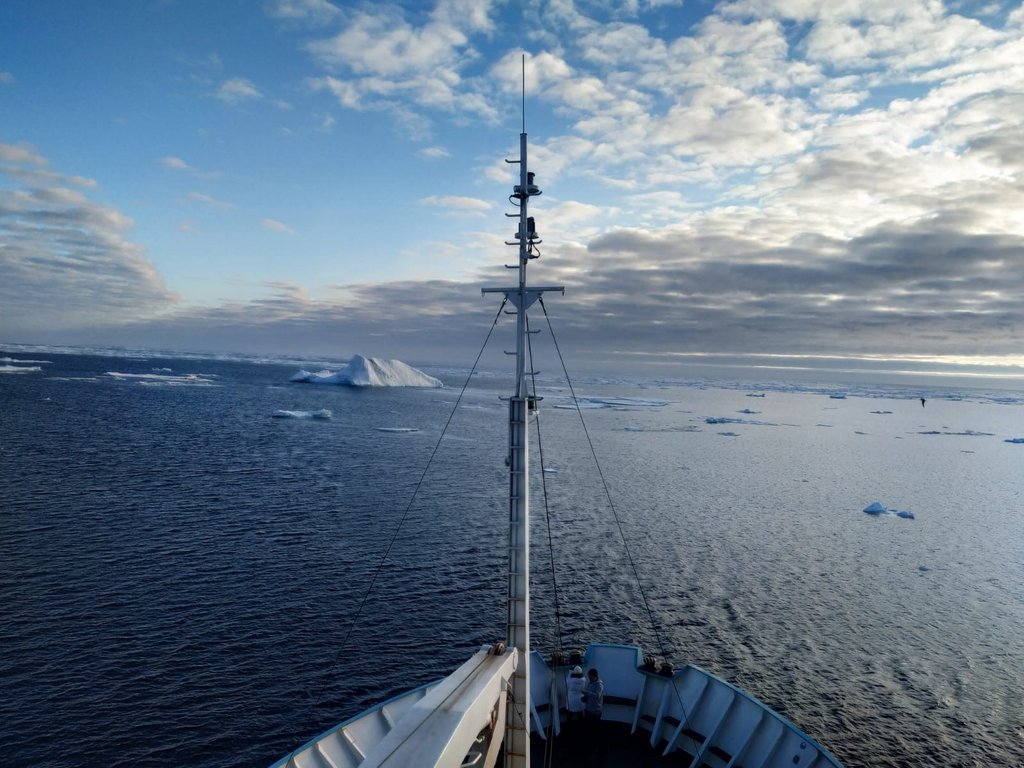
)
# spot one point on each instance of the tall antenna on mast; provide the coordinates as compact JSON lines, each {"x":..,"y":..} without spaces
{"x":524,"y":93}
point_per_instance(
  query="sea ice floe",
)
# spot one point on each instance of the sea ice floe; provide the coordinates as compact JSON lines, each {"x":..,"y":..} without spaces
{"x":613,"y":402}
{"x":639,"y":428}
{"x":965,"y":433}
{"x":733,"y":420}
{"x":370,"y":372}
{"x":167,"y":380}
{"x":323,"y":413}
{"x":402,"y":430}
{"x":876,"y":508}
{"x":20,"y":369}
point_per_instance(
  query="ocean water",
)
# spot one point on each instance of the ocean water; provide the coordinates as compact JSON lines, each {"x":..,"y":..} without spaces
{"x":184,"y":578}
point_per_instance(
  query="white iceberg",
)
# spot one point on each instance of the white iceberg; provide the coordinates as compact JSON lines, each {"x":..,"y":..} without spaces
{"x":323,"y":413}
{"x":370,"y":372}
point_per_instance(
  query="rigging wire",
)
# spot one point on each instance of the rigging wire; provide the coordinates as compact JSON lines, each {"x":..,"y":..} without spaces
{"x":318,"y":699}
{"x":604,"y":483}
{"x":549,"y":742}
{"x":615,"y":515}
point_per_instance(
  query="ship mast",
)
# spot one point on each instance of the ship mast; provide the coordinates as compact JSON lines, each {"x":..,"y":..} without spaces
{"x":521,"y":403}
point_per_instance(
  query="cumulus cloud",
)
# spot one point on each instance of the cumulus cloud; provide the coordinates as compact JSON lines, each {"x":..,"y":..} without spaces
{"x":310,"y":11}
{"x":807,"y":178}
{"x":237,"y":90}
{"x":388,"y":62}
{"x":434,"y":153}
{"x":175,"y":164}
{"x":66,"y":259}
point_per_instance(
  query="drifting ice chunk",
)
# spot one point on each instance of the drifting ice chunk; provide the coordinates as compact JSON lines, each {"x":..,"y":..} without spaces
{"x":370,"y":372}
{"x":323,"y":413}
{"x":19,"y":368}
{"x":876,"y":508}
{"x":167,"y":379}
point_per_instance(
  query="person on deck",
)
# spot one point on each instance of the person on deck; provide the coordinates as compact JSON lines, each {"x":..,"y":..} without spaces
{"x":593,"y":697}
{"x":574,"y":685}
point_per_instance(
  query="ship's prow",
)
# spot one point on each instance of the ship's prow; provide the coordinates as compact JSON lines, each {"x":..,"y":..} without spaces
{"x":681,"y":717}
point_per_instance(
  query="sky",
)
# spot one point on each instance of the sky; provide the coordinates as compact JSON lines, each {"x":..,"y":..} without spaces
{"x":779,"y":183}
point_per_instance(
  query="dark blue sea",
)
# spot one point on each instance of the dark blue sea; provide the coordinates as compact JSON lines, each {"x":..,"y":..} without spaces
{"x":185,"y":578}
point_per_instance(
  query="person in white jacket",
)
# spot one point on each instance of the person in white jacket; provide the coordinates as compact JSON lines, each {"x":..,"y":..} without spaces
{"x":574,"y":684}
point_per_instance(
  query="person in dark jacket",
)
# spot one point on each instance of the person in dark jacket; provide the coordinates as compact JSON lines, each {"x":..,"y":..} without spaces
{"x":593,"y":696}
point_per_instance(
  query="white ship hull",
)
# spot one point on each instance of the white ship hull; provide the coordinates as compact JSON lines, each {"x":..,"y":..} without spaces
{"x":459,"y":720}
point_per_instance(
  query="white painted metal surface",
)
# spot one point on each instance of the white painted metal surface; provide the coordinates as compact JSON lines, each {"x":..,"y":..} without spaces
{"x":692,"y":710}
{"x":436,"y":725}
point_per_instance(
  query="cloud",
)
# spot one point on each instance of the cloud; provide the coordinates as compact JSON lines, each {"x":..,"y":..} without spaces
{"x":276,"y":226}
{"x":454,"y":205}
{"x":6,"y":78}
{"x":788,"y":176}
{"x":175,"y":164}
{"x":899,"y":288}
{"x":180,"y":165}
{"x":391,"y":64}
{"x":66,"y":260}
{"x":237,"y":90}
{"x":310,"y":11}
{"x":210,"y":202}
{"x":20,"y":154}
{"x":434,"y":153}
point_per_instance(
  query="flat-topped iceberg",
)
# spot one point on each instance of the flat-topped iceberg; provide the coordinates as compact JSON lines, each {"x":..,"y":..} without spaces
{"x":370,"y":372}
